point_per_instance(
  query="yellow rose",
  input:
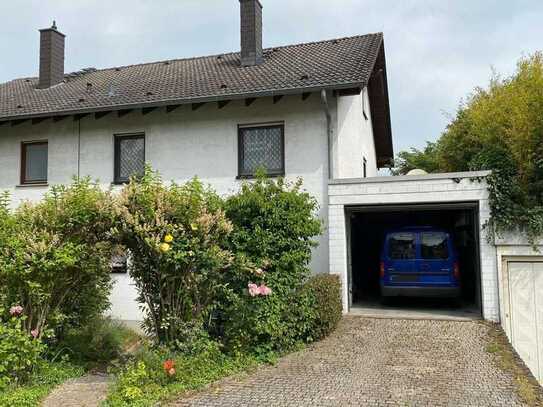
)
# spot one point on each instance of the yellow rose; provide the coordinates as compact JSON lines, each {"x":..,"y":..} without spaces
{"x":168,"y":238}
{"x":194,"y":226}
{"x":164,"y":247}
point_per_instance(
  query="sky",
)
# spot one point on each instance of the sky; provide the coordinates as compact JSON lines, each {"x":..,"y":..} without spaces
{"x":437,"y":51}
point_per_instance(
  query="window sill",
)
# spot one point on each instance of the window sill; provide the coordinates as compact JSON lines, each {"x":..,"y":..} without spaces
{"x":242,"y":177}
{"x":36,"y":185}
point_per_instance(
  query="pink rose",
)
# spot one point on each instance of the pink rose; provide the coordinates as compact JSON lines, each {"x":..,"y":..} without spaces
{"x":253,"y":289}
{"x":16,"y":311}
{"x":264,"y":290}
{"x":35,"y":333}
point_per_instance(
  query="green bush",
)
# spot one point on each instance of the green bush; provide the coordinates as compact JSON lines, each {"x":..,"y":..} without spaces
{"x":275,"y":227}
{"x":97,"y":343}
{"x":55,"y":256}
{"x":19,"y":352}
{"x":176,"y":236}
{"x":326,"y":291}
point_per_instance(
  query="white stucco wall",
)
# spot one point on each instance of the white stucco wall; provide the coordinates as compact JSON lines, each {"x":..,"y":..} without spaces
{"x":353,"y":138}
{"x":180,"y":145}
{"x":435,"y":188}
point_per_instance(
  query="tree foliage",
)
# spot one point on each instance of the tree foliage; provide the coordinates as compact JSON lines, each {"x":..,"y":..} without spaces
{"x":499,"y":128}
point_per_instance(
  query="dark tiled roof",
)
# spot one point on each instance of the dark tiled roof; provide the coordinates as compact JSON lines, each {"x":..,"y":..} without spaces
{"x":334,"y":64}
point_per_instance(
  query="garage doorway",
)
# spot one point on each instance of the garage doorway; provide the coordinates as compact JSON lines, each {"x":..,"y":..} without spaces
{"x":366,"y":230}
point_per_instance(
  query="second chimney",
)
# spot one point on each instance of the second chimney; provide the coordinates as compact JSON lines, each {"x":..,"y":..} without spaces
{"x":251,"y":32}
{"x":51,"y":57}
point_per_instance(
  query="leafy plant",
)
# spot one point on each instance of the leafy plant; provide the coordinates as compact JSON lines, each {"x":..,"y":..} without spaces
{"x":326,"y":291}
{"x":55,"y":257}
{"x":149,"y":377}
{"x":176,"y":236}
{"x":19,"y":352}
{"x":275,"y":225}
{"x":97,"y":343}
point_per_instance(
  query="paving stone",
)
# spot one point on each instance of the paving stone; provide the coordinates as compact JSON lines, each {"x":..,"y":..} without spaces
{"x":376,"y":362}
{"x":87,"y":391}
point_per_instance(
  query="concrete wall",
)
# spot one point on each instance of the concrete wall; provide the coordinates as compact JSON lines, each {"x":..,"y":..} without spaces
{"x":353,"y":138}
{"x":435,"y":188}
{"x":186,"y":143}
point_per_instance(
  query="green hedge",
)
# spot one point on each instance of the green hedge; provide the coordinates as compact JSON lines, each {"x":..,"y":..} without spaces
{"x":326,"y":289}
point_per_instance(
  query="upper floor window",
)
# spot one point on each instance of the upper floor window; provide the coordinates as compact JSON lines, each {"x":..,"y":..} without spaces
{"x":129,"y":157}
{"x":261,"y":147}
{"x":34,"y":162}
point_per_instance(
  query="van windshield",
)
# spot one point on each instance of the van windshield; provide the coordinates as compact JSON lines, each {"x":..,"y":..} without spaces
{"x":434,"y":245}
{"x":401,"y":246}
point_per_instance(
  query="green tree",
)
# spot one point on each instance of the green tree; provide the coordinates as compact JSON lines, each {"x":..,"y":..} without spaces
{"x":499,"y":128}
{"x":414,"y":158}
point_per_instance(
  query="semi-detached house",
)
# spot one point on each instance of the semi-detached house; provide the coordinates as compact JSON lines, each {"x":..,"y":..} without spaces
{"x":317,"y":110}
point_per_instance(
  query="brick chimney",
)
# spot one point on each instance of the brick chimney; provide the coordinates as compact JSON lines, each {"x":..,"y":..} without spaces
{"x":251,"y":32}
{"x":51,"y":57}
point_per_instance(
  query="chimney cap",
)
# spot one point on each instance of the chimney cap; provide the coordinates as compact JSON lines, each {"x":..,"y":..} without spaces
{"x":256,"y":1}
{"x":53,"y":28}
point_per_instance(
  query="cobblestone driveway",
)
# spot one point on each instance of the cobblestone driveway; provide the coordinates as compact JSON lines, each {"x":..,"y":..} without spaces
{"x":377,"y":362}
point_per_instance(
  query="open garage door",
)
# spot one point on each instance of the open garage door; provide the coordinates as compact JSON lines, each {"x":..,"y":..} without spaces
{"x":367,"y":228}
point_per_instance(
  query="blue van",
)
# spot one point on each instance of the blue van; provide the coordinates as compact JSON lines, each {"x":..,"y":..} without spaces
{"x":419,"y":262}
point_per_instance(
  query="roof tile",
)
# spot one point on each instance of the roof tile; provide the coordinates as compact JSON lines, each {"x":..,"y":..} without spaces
{"x":325,"y":64}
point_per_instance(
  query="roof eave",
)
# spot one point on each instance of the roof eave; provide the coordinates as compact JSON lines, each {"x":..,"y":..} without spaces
{"x":186,"y":101}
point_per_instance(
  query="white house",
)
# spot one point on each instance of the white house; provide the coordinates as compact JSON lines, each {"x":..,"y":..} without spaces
{"x":318,"y":111}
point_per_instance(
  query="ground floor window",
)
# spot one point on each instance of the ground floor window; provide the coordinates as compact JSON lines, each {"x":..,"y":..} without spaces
{"x":34,"y":157}
{"x":129,"y":156}
{"x":261,"y":147}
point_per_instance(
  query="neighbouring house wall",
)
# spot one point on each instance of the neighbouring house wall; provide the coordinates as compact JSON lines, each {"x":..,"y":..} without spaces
{"x":510,"y":247}
{"x":353,"y":138}
{"x":180,"y":145}
{"x":435,"y":188}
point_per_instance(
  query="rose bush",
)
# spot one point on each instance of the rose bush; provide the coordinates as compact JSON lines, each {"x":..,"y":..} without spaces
{"x":19,"y":351}
{"x":265,"y":309}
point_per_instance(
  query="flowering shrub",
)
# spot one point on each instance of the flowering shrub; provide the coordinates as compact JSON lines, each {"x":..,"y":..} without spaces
{"x":54,"y":256}
{"x":19,"y":351}
{"x":176,"y":235}
{"x":275,"y":224}
{"x":255,"y":290}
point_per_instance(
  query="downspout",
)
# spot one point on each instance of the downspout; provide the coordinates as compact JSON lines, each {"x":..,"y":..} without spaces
{"x":326,"y":108}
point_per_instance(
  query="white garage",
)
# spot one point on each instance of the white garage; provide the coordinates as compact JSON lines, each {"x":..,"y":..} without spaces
{"x":508,"y":287}
{"x":446,"y":199}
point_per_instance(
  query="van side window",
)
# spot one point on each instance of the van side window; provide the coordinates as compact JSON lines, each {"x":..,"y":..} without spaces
{"x":434,"y":245}
{"x":401,"y":246}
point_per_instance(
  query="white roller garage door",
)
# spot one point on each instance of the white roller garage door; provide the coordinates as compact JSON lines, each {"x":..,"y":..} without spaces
{"x":526,"y":313}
